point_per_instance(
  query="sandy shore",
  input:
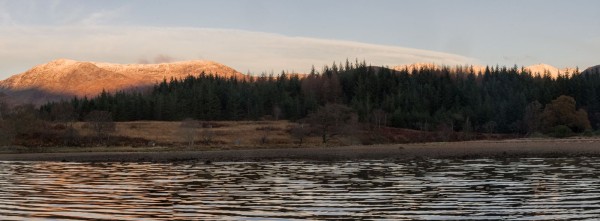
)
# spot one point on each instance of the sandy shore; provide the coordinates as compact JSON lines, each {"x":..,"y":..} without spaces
{"x":471,"y":149}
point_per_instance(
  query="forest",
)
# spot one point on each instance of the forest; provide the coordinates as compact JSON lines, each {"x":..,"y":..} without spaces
{"x":497,"y":100}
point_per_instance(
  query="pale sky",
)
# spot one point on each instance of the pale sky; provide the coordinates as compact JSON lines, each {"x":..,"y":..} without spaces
{"x":264,"y":36}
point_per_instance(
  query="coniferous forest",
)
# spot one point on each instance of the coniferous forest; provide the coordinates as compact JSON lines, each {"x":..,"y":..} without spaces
{"x":497,"y":100}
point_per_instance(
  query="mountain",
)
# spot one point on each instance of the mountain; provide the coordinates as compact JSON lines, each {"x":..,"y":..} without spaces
{"x":65,"y":78}
{"x":592,"y":70}
{"x":554,"y":72}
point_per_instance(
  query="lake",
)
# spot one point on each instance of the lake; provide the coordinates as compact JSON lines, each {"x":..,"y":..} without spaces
{"x":432,"y":189}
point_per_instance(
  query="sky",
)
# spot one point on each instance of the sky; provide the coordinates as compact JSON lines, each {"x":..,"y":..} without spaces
{"x":262,"y":36}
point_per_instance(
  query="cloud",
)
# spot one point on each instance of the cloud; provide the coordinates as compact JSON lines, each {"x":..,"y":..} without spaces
{"x":5,"y":17}
{"x":161,"y":58}
{"x":24,"y":47}
{"x":519,"y":59}
{"x":102,"y":17}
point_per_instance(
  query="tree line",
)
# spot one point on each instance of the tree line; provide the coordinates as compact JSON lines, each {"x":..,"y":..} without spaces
{"x":496,"y":100}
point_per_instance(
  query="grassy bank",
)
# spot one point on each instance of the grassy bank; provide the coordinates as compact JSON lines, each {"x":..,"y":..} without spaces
{"x":172,"y":136}
{"x":453,"y":150}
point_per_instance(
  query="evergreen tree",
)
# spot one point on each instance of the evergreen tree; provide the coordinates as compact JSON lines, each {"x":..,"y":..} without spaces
{"x":494,"y":100}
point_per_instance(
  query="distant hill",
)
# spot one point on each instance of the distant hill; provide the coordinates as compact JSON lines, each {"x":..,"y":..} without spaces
{"x":592,"y":70}
{"x":65,"y":78}
{"x":554,"y":72}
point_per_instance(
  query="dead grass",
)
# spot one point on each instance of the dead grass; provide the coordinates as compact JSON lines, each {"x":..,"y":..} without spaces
{"x":229,"y":134}
{"x":158,"y":136}
{"x":240,"y":134}
{"x":244,"y":133}
{"x":136,"y":135}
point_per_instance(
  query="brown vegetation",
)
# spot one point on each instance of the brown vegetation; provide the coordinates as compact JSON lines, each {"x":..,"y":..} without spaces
{"x":204,"y":135}
{"x":562,"y":112}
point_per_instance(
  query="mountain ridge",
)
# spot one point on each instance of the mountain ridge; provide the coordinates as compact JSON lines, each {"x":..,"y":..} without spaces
{"x":66,"y":78}
{"x":592,"y":70}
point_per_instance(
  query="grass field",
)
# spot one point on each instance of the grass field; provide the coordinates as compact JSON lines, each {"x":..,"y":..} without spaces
{"x":222,"y":134}
{"x":160,"y":136}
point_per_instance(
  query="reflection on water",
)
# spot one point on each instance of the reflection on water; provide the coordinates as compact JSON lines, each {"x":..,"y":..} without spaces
{"x":518,"y":189}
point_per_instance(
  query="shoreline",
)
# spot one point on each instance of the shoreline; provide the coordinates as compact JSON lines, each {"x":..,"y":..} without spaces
{"x":460,"y":150}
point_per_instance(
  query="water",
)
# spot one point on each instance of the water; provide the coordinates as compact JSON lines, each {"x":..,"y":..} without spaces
{"x":512,"y":189}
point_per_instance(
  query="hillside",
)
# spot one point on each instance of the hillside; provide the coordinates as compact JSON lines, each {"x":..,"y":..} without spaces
{"x":592,"y":70}
{"x":549,"y":69}
{"x":65,"y":78}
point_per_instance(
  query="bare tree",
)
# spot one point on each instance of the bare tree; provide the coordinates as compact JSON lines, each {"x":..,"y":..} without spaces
{"x":489,"y":127}
{"x":423,"y":126}
{"x":207,"y":133}
{"x":266,"y":131}
{"x":25,"y":119}
{"x":20,"y":120}
{"x":64,"y":114}
{"x":379,"y":118}
{"x":330,"y":120}
{"x":299,"y":132}
{"x":101,"y":123}
{"x":532,"y":117}
{"x":445,"y":131}
{"x":468,"y":129}
{"x":187,"y":129}
{"x":3,"y":106}
{"x":276,"y":112}
{"x":7,"y":133}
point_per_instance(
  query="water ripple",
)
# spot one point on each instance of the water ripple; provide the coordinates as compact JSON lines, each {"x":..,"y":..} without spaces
{"x":438,"y":189}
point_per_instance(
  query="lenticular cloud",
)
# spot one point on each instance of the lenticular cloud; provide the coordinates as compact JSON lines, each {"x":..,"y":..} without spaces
{"x":255,"y":52}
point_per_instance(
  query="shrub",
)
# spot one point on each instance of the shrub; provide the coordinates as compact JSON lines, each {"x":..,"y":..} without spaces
{"x":588,"y":133}
{"x":561,"y":131}
{"x":537,"y":135}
